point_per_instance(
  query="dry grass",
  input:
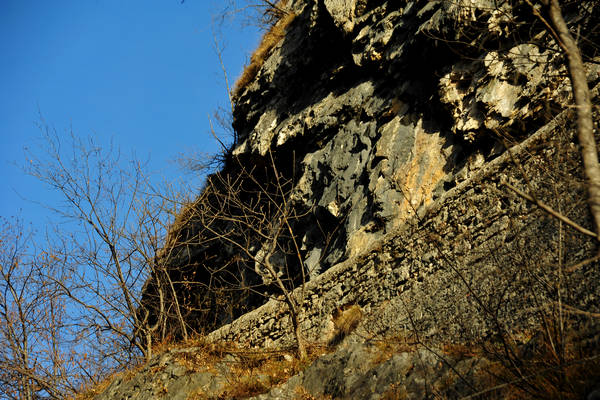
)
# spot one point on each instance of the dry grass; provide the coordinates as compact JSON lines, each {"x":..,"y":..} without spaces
{"x":249,"y":372}
{"x":389,"y":346}
{"x":549,"y":373}
{"x":89,"y":391}
{"x":200,"y":355}
{"x":396,"y":391}
{"x":269,"y":40}
{"x":303,"y":394}
{"x":255,"y":372}
{"x":543,"y":373}
{"x":457,"y":351}
{"x":345,"y":321}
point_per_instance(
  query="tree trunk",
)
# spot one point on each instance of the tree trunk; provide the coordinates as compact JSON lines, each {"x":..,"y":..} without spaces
{"x":583,"y":106}
{"x":298,"y":336}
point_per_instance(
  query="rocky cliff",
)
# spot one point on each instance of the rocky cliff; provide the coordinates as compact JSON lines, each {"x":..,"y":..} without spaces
{"x":371,"y":169}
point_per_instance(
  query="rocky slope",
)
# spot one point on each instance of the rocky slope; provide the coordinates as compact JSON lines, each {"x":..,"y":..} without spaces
{"x":432,"y":296}
{"x":370,"y":169}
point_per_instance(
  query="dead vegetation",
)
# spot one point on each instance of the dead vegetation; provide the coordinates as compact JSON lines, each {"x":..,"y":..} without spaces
{"x":247,"y":229}
{"x":249,"y":372}
{"x":345,"y":321}
{"x":270,"y":39}
{"x":246,"y":372}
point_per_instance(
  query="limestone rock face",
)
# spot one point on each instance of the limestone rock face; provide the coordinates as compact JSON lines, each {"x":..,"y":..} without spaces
{"x":380,"y":112}
{"x":369,"y":111}
{"x":370,"y":170}
{"x":343,"y":12}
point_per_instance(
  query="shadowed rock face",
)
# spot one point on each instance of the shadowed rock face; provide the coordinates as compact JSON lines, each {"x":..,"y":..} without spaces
{"x":369,"y":111}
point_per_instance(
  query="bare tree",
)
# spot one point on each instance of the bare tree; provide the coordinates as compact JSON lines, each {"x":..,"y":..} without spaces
{"x":34,"y":329}
{"x":112,"y":222}
{"x":263,"y":13}
{"x":72,"y":313}
{"x":278,"y":241}
{"x":238,"y":244}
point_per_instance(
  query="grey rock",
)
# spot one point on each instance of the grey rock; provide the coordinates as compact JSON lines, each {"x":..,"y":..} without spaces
{"x":342,"y":12}
{"x":381,"y":115}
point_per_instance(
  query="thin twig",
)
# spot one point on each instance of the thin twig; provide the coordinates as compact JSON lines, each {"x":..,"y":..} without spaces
{"x":574,"y":310}
{"x":519,"y":380}
{"x":583,"y":105}
{"x":583,"y":263}
{"x":550,"y":211}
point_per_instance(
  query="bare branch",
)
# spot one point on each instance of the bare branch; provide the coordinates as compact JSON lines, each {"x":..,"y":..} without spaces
{"x":550,"y":211}
{"x":583,"y":105}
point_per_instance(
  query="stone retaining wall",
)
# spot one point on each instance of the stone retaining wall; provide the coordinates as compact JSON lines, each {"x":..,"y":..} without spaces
{"x":478,"y":259}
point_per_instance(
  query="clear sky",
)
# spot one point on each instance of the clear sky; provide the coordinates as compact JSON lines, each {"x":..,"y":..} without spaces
{"x":142,"y":73}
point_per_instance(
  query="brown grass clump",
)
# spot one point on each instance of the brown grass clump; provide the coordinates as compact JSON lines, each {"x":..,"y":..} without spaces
{"x":347,"y":318}
{"x":459,"y":351}
{"x":396,"y":391}
{"x":386,"y":348}
{"x":345,"y":321}
{"x":269,"y":40}
{"x":204,"y":355}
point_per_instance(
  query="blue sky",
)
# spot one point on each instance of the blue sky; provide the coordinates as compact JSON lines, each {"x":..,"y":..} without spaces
{"x":142,"y":73}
